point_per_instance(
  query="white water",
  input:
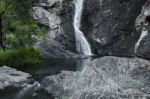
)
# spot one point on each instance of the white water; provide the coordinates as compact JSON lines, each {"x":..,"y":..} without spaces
{"x":143,"y":34}
{"x":82,"y":45}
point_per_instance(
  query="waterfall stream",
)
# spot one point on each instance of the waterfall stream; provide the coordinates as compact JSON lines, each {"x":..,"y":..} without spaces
{"x":82,"y":45}
{"x":143,"y":34}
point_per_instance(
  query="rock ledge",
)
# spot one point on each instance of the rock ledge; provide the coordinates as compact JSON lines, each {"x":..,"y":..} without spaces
{"x":12,"y":77}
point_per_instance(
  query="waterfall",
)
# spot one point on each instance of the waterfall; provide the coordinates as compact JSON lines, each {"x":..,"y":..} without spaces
{"x":82,"y":63}
{"x":82,"y":45}
{"x":143,"y":34}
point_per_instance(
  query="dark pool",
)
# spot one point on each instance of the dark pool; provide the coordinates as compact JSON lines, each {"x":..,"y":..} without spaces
{"x":39,"y":71}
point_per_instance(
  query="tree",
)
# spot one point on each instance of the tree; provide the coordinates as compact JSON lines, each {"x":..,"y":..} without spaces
{"x":1,"y":34}
{"x":17,"y":24}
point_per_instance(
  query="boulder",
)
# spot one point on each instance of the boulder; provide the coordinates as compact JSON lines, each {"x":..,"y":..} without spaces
{"x":105,"y":78}
{"x":12,"y":77}
{"x":53,"y":49}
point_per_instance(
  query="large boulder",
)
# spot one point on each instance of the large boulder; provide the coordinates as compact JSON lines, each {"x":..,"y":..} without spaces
{"x":104,"y":78}
{"x":109,"y":24}
{"x":12,"y":77}
{"x":53,"y":49}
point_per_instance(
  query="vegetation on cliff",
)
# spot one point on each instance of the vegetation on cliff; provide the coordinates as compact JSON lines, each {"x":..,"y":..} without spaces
{"x":18,"y":33}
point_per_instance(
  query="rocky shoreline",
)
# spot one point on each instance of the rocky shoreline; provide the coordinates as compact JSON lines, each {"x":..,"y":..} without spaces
{"x":108,"y":77}
{"x":113,"y":28}
{"x":12,"y":77}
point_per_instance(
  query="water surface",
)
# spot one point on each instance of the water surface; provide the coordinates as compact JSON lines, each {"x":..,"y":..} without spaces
{"x":39,"y":71}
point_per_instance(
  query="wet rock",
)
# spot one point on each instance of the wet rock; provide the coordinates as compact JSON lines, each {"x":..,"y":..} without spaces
{"x":12,"y":77}
{"x":54,"y":49}
{"x":142,"y":47}
{"x":109,"y":25}
{"x":104,"y":78}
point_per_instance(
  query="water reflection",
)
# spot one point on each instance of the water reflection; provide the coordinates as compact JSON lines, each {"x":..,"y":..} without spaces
{"x":55,"y":66}
{"x":28,"y":88}
{"x":24,"y":93}
{"x":39,"y":71}
{"x":81,"y":63}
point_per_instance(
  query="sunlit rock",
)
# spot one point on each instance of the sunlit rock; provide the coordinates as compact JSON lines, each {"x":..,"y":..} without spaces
{"x":12,"y":77}
{"x":104,"y":78}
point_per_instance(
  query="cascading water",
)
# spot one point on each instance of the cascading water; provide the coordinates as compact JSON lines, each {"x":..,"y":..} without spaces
{"x":82,"y":45}
{"x":143,"y":34}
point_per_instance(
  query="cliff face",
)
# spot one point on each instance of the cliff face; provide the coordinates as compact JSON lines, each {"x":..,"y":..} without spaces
{"x":111,"y":26}
{"x":57,"y":15}
{"x":143,"y":27}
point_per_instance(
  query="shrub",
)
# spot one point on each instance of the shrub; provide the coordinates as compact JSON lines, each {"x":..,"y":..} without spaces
{"x":20,"y":57}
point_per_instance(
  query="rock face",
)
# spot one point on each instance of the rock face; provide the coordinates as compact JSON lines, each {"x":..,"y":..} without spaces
{"x":104,"y":78}
{"x":53,"y":49}
{"x":143,"y":27}
{"x":112,"y":27}
{"x":57,"y":15}
{"x":109,"y":25}
{"x":43,"y":16}
{"x":12,"y":77}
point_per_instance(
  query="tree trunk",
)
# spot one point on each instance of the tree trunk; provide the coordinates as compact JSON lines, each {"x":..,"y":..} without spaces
{"x":1,"y":34}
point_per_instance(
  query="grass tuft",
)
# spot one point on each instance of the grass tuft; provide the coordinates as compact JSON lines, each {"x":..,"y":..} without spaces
{"x":20,"y":57}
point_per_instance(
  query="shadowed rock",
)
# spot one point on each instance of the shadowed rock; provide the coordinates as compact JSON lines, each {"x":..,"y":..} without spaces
{"x":142,"y":47}
{"x":109,"y":25}
{"x":53,"y":49}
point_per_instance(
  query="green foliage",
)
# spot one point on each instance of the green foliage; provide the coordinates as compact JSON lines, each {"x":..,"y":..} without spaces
{"x":20,"y":57}
{"x":20,"y":28}
{"x":21,"y":33}
{"x":122,"y":36}
{"x":16,"y":9}
{"x":25,"y":35}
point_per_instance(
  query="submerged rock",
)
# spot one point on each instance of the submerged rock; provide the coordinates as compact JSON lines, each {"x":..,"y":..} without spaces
{"x":104,"y":78}
{"x":12,"y":77}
